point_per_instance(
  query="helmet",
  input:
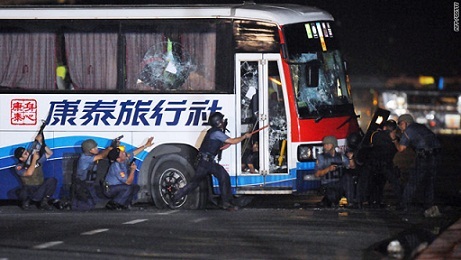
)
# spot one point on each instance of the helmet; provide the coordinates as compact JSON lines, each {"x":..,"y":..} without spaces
{"x":216,"y":119}
{"x":353,"y":140}
{"x":18,"y":152}
{"x":88,"y":144}
{"x":407,"y":118}
{"x":113,"y":154}
{"x":330,"y":140}
{"x":390,"y":124}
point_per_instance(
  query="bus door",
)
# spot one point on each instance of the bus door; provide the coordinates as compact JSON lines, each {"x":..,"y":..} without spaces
{"x":262,"y":107}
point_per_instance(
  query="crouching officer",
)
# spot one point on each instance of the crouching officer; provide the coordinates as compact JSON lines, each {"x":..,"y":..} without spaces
{"x":214,"y":141}
{"x":331,"y":167}
{"x":119,"y":182}
{"x":35,"y":188}
{"x":84,"y":186}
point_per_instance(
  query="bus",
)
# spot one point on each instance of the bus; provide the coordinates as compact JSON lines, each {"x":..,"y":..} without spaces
{"x":138,"y":71}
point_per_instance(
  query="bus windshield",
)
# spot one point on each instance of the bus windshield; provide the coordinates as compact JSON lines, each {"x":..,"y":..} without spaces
{"x":317,"y":70}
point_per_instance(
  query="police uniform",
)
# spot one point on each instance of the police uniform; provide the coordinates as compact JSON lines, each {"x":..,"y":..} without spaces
{"x":86,"y":167}
{"x":213,"y":141}
{"x":35,"y":187}
{"x":85,"y":195}
{"x":427,"y":148}
{"x":379,"y":167}
{"x":335,"y":184}
{"x":120,"y":192}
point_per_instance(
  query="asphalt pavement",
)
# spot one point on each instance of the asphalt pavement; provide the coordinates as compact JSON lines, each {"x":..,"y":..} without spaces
{"x":268,"y":228}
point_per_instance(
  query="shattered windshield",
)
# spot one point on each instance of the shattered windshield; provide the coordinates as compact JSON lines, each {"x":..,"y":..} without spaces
{"x":317,"y":71}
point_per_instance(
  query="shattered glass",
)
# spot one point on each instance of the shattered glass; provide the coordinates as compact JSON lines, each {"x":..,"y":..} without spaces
{"x":249,"y":91}
{"x":165,"y":70}
{"x":332,"y":88}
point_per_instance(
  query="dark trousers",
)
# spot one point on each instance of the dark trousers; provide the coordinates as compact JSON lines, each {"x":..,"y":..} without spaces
{"x":422,"y":176}
{"x":203,"y":169}
{"x":376,"y":175}
{"x":122,"y":194}
{"x":38,"y":192}
{"x":337,"y":189}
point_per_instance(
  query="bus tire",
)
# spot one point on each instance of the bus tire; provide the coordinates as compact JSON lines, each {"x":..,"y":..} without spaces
{"x":170,"y":173}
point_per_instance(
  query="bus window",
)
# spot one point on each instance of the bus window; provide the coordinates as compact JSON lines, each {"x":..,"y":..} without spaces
{"x":317,"y":71}
{"x":92,"y":59}
{"x":27,"y":59}
{"x":171,"y":56}
{"x":277,"y":121}
{"x":117,"y":55}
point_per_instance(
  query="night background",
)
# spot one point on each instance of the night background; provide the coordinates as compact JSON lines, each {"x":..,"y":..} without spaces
{"x":379,"y":38}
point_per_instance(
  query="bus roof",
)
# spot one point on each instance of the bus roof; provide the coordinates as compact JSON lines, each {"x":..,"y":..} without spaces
{"x":278,"y":13}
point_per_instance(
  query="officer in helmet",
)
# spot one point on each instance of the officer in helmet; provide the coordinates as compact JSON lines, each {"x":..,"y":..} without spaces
{"x":330,"y":167}
{"x":121,"y":186}
{"x":84,"y":186}
{"x":35,"y":188}
{"x":427,"y":148}
{"x":87,"y":163}
{"x":215,"y":140}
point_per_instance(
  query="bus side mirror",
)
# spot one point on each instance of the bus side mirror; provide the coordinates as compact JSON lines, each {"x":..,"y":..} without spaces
{"x":312,"y":73}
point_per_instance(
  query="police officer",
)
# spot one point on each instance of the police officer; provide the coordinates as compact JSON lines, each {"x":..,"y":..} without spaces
{"x":35,"y":188}
{"x":214,"y":141}
{"x":427,"y":147}
{"x":85,"y":196}
{"x":331,"y":167}
{"x":379,"y":167}
{"x":88,"y":160}
{"x":120,"y":178}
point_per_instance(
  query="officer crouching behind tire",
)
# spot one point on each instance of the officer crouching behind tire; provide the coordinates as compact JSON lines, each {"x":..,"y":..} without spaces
{"x":214,"y":141}
{"x":331,"y":166}
{"x":120,"y":177}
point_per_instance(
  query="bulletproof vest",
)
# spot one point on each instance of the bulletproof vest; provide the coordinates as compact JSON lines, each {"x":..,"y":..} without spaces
{"x":35,"y":179}
{"x":92,"y":172}
{"x":334,"y":175}
{"x":210,"y":146}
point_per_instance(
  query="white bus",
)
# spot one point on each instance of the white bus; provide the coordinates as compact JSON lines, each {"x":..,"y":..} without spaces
{"x":103,"y":71}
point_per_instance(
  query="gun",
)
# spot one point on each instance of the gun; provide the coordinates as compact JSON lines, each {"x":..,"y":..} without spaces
{"x":116,"y":141}
{"x":132,"y":161}
{"x":338,"y":164}
{"x":35,"y":145}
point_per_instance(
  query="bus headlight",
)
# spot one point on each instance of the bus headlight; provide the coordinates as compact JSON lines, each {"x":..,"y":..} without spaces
{"x":305,"y":153}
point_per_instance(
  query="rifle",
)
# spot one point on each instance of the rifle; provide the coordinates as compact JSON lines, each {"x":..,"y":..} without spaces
{"x":36,"y":146}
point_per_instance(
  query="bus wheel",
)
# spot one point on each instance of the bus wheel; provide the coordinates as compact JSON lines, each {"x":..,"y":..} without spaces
{"x":169,"y":175}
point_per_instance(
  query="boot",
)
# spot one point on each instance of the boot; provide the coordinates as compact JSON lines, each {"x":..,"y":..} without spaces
{"x":44,"y":204}
{"x":25,"y":204}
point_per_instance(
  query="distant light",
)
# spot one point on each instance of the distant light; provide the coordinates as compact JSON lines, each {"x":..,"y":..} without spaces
{"x":441,"y":83}
{"x":426,"y":80}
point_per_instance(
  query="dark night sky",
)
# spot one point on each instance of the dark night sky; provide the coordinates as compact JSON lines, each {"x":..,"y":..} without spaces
{"x":380,"y":37}
{"x":398,"y":37}
{"x":385,"y":37}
